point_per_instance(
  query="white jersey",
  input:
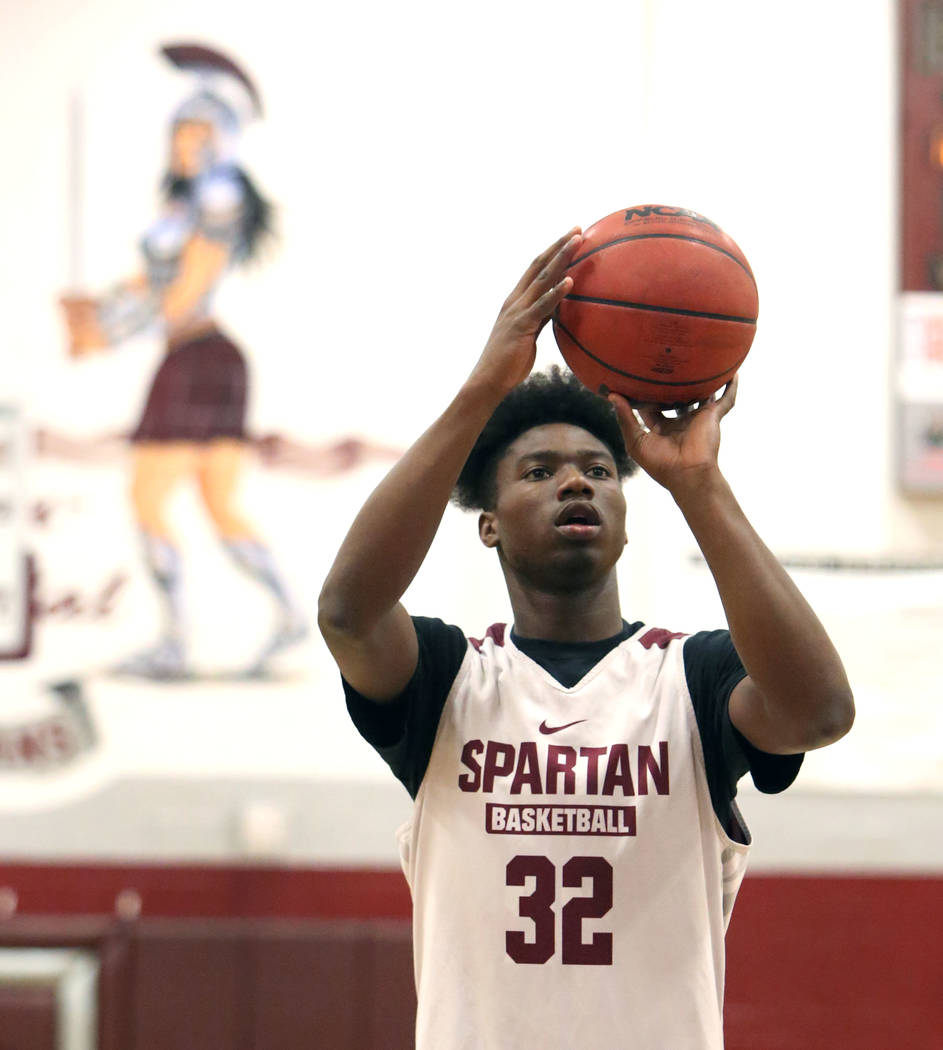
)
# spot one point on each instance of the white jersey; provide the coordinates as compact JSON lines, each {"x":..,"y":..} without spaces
{"x":571,"y":882}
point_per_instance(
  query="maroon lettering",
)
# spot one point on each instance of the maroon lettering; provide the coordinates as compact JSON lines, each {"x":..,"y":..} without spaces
{"x":528,"y":770}
{"x":598,"y":951}
{"x":471,"y":781}
{"x":60,"y":741}
{"x":533,"y":768}
{"x":618,"y":771}
{"x":30,"y":747}
{"x":561,"y":759}
{"x":559,"y":820}
{"x":41,"y":743}
{"x":658,"y":770}
{"x":499,"y":761}
{"x":71,"y":605}
{"x":592,"y":756}
{"x":537,"y":906}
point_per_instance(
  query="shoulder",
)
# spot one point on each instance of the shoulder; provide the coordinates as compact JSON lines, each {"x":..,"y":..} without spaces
{"x":656,"y":637}
{"x":220,"y":192}
{"x":710,"y":658}
{"x":403,"y":730}
{"x":495,"y":636}
{"x":441,"y":644}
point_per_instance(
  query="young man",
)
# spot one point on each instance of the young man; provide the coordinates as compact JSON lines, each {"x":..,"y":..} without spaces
{"x":574,"y":850}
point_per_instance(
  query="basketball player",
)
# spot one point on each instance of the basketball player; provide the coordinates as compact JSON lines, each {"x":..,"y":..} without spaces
{"x":574,"y":850}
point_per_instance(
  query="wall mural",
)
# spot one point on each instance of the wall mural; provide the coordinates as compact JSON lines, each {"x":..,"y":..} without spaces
{"x":193,"y":432}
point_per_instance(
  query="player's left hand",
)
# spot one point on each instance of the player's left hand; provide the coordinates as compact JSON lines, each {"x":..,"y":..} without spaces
{"x":680,"y":452}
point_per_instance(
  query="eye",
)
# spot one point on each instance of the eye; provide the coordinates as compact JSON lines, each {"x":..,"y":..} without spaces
{"x":538,"y":474}
{"x":599,"y":470}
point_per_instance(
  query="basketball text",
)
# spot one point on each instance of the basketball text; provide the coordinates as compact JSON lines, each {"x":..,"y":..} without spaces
{"x":646,"y":211}
{"x":558,"y":769}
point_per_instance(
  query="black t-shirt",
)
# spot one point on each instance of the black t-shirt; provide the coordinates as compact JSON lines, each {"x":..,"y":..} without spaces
{"x":403,"y":730}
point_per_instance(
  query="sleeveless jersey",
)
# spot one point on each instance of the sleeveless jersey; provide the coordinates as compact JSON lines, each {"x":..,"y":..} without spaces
{"x":571,"y":882}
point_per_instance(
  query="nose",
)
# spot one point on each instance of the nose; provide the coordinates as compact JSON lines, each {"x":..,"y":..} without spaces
{"x":573,"y":482}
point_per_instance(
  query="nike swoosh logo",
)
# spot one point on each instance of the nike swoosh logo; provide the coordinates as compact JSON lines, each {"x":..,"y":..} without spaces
{"x":547,"y":730}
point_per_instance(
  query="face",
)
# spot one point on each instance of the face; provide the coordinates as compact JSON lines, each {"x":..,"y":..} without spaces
{"x":191,"y":144}
{"x":559,"y":516}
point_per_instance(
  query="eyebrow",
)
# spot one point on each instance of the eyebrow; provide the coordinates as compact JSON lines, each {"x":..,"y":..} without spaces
{"x":555,"y":455}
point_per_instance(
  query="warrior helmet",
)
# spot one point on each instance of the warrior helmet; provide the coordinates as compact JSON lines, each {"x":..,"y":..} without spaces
{"x":225,"y":96}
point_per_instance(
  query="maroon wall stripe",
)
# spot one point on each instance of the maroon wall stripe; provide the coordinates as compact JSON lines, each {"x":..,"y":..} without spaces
{"x":208,"y":891}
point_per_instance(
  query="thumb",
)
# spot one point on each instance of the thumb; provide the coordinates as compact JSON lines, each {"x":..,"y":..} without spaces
{"x":633,"y":432}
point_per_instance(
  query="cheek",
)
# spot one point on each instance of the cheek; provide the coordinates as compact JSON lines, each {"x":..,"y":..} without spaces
{"x":518,"y":524}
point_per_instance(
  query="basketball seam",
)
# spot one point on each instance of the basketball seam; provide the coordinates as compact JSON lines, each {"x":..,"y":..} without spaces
{"x":632,"y":375}
{"x":666,"y":236}
{"x":627,"y":304}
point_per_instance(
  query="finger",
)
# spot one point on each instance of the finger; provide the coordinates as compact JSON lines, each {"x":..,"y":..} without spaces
{"x":729,"y":397}
{"x":542,"y":262}
{"x":633,"y":432}
{"x":540,"y":311}
{"x":651,"y":414}
{"x":550,"y":275}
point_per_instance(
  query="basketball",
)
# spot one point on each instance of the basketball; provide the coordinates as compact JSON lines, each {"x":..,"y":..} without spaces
{"x":663,"y":306}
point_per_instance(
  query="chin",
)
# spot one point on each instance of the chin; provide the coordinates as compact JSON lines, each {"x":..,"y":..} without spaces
{"x":578,"y":571}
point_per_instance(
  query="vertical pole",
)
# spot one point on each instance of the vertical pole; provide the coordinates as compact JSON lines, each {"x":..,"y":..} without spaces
{"x":75,"y":192}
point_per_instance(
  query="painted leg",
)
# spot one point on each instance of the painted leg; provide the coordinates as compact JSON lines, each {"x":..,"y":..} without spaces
{"x":167,"y":657}
{"x":220,"y":470}
{"x":291,"y":626}
{"x":157,"y":469}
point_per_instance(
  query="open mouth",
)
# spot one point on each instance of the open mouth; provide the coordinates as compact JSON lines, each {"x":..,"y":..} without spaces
{"x":578,"y":520}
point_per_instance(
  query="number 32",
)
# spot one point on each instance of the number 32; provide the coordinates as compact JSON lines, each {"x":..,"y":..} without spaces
{"x":538,"y":907}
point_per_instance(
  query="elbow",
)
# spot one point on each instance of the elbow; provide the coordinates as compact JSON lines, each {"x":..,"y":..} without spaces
{"x":834,"y":717}
{"x":338,"y":616}
{"x":332,"y":620}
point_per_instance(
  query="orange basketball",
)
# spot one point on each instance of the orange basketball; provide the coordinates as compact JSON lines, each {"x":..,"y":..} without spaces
{"x":663,"y":306}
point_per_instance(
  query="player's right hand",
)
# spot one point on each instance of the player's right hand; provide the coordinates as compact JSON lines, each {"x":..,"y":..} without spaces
{"x":511,"y":349}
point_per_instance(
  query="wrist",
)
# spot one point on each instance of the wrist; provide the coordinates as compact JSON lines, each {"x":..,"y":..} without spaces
{"x":700,"y":487}
{"x":486,"y":387}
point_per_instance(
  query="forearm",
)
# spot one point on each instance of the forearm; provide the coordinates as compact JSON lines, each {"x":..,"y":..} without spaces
{"x":394,"y":530}
{"x":783,"y":645}
{"x":125,"y":310}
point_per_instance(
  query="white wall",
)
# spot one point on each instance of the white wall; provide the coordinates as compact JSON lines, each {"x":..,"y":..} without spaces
{"x":420,"y":154}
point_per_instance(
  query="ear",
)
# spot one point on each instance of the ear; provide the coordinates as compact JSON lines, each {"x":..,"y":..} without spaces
{"x":488,"y":528}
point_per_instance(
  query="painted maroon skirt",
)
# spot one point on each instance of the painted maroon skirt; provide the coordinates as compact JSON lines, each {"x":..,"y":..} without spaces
{"x":198,"y":394}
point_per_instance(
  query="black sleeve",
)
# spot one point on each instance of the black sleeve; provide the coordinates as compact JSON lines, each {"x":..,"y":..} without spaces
{"x":712,"y":668}
{"x":403,"y":730}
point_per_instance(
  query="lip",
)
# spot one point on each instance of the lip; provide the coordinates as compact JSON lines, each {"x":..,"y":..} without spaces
{"x":578,"y":521}
{"x":579,"y":532}
{"x":578,"y":509}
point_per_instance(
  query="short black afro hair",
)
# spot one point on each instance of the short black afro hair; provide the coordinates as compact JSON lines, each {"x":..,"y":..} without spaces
{"x":554,"y":396}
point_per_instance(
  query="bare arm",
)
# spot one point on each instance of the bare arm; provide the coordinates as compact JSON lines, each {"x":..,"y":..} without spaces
{"x":796,"y":696}
{"x":360,"y":615}
{"x":201,"y":263}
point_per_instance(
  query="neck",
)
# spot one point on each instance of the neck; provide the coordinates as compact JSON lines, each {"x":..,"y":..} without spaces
{"x":586,"y":615}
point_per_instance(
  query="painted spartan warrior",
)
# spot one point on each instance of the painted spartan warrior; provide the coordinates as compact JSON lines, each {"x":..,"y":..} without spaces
{"x":193,"y":423}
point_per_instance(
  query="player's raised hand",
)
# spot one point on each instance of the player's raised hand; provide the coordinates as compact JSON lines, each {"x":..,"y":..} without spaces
{"x":676,"y":452}
{"x":511,"y":349}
